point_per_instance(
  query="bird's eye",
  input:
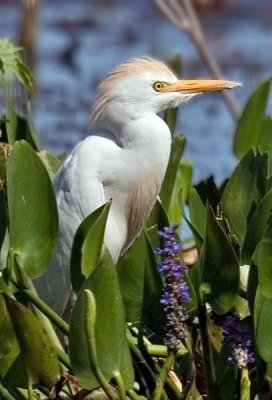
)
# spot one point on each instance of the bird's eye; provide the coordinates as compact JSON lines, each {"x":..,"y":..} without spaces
{"x":157,"y":86}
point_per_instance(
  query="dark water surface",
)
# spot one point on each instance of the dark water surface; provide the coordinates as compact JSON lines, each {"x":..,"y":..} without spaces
{"x":80,"y":41}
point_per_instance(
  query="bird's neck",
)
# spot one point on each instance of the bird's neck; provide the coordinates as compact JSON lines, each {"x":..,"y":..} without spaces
{"x":142,"y":131}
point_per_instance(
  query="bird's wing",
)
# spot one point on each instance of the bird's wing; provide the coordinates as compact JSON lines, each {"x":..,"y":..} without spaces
{"x":79,"y":191}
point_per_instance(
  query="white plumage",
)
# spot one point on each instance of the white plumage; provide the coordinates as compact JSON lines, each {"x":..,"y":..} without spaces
{"x":124,"y":159}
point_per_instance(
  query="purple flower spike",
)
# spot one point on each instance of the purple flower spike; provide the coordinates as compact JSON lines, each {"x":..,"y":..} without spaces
{"x":236,"y":336}
{"x":175,"y":291}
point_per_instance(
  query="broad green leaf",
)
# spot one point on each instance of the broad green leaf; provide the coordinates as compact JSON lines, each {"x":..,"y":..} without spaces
{"x":177,"y":148}
{"x":263,"y":259}
{"x":219,"y":266}
{"x":4,"y":152}
{"x":38,"y":354}
{"x":180,"y":192}
{"x":157,"y":220}
{"x":250,"y":123}
{"x":51,"y":162}
{"x":245,"y":188}
{"x":256,"y":227}
{"x":18,"y":128}
{"x":226,"y":375}
{"x":33,"y":217}
{"x":265,"y":139}
{"x":263,"y":326}
{"x":110,"y":337}
{"x":87,"y":245}
{"x":208,"y":192}
{"x":11,"y":123}
{"x":11,"y":65}
{"x":7,"y":337}
{"x":153,"y":313}
{"x":131,"y":273}
{"x":197,"y":217}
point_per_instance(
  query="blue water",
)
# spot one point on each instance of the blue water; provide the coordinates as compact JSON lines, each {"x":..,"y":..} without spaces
{"x":78,"y":43}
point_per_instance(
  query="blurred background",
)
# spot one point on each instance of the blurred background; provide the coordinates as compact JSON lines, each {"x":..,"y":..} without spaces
{"x":72,"y":45}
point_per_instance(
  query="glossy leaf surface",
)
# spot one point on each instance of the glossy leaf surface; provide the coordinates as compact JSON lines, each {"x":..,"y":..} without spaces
{"x":219,"y":266}
{"x":110,"y":337}
{"x":250,"y":124}
{"x":39,"y":356}
{"x":245,"y":188}
{"x":87,"y":245}
{"x":33,"y":217}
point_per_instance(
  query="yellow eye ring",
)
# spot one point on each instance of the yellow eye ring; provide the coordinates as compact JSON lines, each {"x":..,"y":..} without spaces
{"x":158,"y":86}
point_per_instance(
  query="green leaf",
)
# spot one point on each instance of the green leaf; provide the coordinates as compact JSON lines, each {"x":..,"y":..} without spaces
{"x":265,"y":139}
{"x":263,"y":325}
{"x":87,"y":245}
{"x":33,"y":217}
{"x":131,"y":273}
{"x":250,"y":123}
{"x":110,"y":337}
{"x":180,"y":192}
{"x":18,"y":128}
{"x":219,"y":266}
{"x":51,"y":162}
{"x":263,"y":259}
{"x":7,"y":337}
{"x":197,"y":217}
{"x":11,"y":65}
{"x":245,"y":188}
{"x":256,"y":227}
{"x":177,"y":148}
{"x":39,"y":356}
{"x":226,"y":375}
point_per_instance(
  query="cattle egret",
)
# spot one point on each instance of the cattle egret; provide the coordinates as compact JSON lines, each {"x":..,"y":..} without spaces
{"x":124,"y":159}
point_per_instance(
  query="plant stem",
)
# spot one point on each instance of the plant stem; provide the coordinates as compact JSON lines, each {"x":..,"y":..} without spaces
{"x":30,"y":390}
{"x":245,"y":385}
{"x":4,"y":393}
{"x":44,"y":308}
{"x":162,"y":378}
{"x":207,"y":353}
{"x":63,"y":357}
{"x":120,"y":383}
{"x":90,"y":317}
{"x":133,"y":395}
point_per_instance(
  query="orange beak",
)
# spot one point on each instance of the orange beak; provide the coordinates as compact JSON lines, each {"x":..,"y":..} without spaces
{"x":200,"y":85}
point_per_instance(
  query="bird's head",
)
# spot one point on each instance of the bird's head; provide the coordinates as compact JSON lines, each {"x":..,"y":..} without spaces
{"x":145,"y":85}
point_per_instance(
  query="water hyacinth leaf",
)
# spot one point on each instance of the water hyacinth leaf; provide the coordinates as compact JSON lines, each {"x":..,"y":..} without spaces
{"x":87,"y":245}
{"x":38,"y":354}
{"x":17,"y":127}
{"x":156,"y":221}
{"x":7,"y":337}
{"x":112,"y":350}
{"x":51,"y":162}
{"x":153,"y":313}
{"x":177,"y":148}
{"x":250,"y":123}
{"x":131,"y":273}
{"x":208,"y":191}
{"x":263,"y":326}
{"x":33,"y":217}
{"x":265,"y":140}
{"x":245,"y":188}
{"x":226,"y":374}
{"x":256,"y":227}
{"x":263,"y":259}
{"x":197,"y":217}
{"x":180,"y":192}
{"x":219,"y":266}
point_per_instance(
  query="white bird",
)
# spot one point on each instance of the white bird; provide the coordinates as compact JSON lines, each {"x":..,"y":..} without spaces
{"x":124,"y":159}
